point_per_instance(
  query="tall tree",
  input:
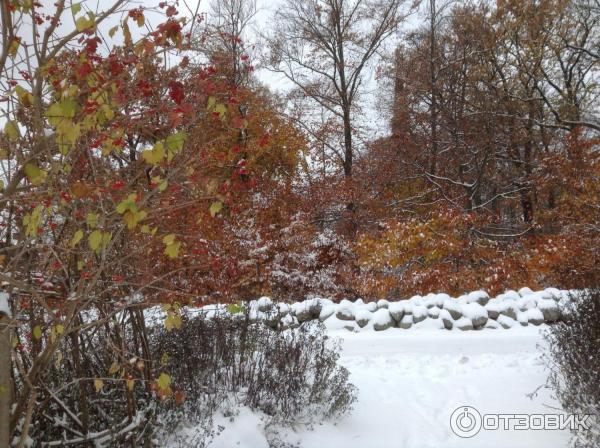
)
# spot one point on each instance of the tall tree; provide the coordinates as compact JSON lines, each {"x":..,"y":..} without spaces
{"x":323,"y":47}
{"x":228,"y":24}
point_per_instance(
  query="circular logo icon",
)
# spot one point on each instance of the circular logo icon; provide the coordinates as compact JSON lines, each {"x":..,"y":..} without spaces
{"x":465,"y":421}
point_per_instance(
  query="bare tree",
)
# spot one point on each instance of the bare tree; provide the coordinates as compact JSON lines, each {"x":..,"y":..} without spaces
{"x":324,"y":47}
{"x":228,"y":23}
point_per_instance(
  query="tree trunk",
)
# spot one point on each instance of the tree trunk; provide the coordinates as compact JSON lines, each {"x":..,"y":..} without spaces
{"x":5,"y":380}
{"x":433,"y":117}
{"x":347,"y":144}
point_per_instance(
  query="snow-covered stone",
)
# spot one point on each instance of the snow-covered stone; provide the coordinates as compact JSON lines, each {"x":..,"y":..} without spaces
{"x":283,"y":308}
{"x":492,"y":325}
{"x":307,"y":309}
{"x":382,"y":320}
{"x":396,"y":310}
{"x":535,"y":316}
{"x":382,"y":303}
{"x":527,"y":303}
{"x":510,"y":308}
{"x":464,"y":324}
{"x":550,"y":309}
{"x":345,"y":312}
{"x":510,"y":295}
{"x":446,"y":319}
{"x":434,"y":312}
{"x":265,"y":304}
{"x":493,"y":308}
{"x":371,"y":306}
{"x":333,"y":323}
{"x":406,"y":322}
{"x":476,"y":313}
{"x":419,"y":313}
{"x":480,"y":297}
{"x":326,"y":312}
{"x":454,"y":308}
{"x":522,"y":318}
{"x":363,"y":317}
{"x":505,"y":321}
{"x":554,"y":294}
{"x":525,"y":292}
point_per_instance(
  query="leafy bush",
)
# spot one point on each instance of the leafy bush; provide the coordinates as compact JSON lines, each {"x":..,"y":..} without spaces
{"x":574,"y":361}
{"x":290,"y":376}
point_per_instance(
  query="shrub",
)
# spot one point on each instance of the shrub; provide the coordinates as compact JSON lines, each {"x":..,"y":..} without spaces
{"x":115,"y":398}
{"x":291,"y":376}
{"x":574,"y":361}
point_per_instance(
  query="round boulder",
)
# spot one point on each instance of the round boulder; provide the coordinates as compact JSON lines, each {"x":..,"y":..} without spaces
{"x":382,"y":320}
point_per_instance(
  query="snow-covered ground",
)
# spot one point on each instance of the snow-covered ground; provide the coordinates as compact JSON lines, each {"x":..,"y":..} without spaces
{"x":409,"y":383}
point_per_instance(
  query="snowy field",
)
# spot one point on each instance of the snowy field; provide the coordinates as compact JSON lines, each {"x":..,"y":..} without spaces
{"x":409,"y":383}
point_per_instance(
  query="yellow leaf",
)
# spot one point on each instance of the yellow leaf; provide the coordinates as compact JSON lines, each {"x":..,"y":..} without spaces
{"x":83,"y":23}
{"x":175,"y":142}
{"x":12,"y":131}
{"x":98,"y":384}
{"x":211,"y":103}
{"x":25,"y":98}
{"x":75,"y":8}
{"x":164,"y":359}
{"x":130,"y":383}
{"x":32,"y":221}
{"x":92,"y":220}
{"x":221,"y":109}
{"x":164,"y":381}
{"x":35,"y":175}
{"x":106,"y":237}
{"x":127,"y":204}
{"x":132,"y":219}
{"x":112,"y":31}
{"x":76,"y":238}
{"x":169,"y":323}
{"x":37,"y":332}
{"x":80,"y":265}
{"x":94,"y":240}
{"x":172,"y":250}
{"x":156,"y":155}
{"x":215,"y":208}
{"x":129,"y":219}
{"x":169,"y":239}
{"x":14,"y":47}
{"x":60,"y":329}
{"x":114,"y":368}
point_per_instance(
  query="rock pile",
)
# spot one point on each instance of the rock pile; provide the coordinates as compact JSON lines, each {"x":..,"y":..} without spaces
{"x":473,"y":311}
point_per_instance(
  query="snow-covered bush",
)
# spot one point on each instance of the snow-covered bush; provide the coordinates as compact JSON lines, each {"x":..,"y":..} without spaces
{"x":574,"y":361}
{"x":290,"y":376}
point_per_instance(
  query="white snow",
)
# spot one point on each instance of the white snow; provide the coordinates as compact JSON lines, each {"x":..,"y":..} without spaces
{"x":4,"y":306}
{"x":410,"y":382}
{"x":474,"y":310}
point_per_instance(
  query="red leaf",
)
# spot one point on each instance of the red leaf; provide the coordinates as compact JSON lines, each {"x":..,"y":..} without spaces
{"x":176,"y":91}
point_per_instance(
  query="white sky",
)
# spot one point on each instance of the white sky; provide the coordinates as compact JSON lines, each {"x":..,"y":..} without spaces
{"x":372,"y":119}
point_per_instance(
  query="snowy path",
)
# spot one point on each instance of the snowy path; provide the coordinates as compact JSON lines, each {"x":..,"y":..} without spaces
{"x":410,"y":382}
